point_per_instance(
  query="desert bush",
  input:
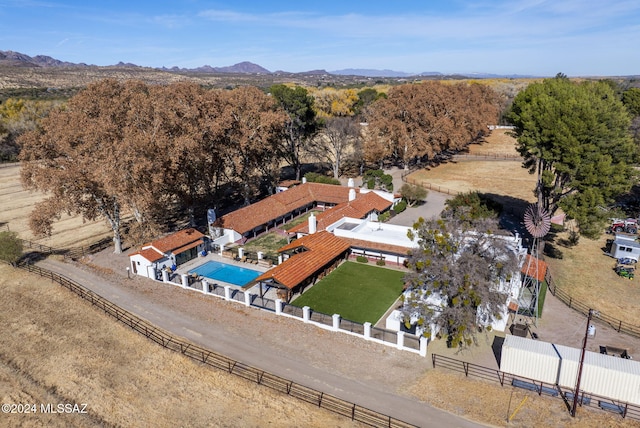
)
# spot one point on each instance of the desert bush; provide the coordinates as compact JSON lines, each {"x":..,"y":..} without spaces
{"x":377,"y":179}
{"x":400,"y":206}
{"x":314,"y":177}
{"x":10,"y":247}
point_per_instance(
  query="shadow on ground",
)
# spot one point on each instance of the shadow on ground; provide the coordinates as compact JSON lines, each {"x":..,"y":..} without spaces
{"x":496,"y":346}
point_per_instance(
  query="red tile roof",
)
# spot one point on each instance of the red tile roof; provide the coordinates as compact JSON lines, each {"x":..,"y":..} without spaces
{"x":177,"y":240}
{"x":149,"y":254}
{"x":275,"y":206}
{"x":529,"y":268}
{"x":358,"y":208}
{"x":319,"y":250}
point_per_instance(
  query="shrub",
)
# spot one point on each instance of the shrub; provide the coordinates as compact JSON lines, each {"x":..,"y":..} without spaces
{"x":384,"y":216}
{"x":10,"y":247}
{"x":400,"y":206}
{"x":314,"y":177}
{"x":376,"y":178}
{"x":413,"y":193}
{"x":473,"y":205}
{"x":381,"y":262}
{"x":362,"y":259}
{"x":371,"y":183}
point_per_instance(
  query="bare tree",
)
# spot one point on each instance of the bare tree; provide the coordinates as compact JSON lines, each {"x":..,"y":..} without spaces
{"x":74,"y":155}
{"x":338,"y":138}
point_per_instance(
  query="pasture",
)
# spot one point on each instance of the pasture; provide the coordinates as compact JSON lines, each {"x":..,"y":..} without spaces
{"x":84,"y":356}
{"x":16,"y":204}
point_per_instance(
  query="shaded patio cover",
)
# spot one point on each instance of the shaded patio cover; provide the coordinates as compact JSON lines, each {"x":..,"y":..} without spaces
{"x":318,"y":250}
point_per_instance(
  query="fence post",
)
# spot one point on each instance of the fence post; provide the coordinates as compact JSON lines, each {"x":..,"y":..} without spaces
{"x":227,"y":292}
{"x":184,"y":280}
{"x":423,"y":346}
{"x":278,"y":306}
{"x":400,"y":343}
{"x":367,"y":330}
{"x":247,"y":298}
{"x":205,"y":286}
{"x":336,"y":322}
{"x":306,"y":313}
{"x":165,"y":276}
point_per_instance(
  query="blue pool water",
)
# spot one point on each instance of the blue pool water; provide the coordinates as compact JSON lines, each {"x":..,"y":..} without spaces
{"x":226,"y":273}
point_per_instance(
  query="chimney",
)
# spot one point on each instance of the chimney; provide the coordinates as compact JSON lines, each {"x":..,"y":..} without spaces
{"x":304,"y":180}
{"x":352,"y":194}
{"x":350,"y":183}
{"x":312,"y":224}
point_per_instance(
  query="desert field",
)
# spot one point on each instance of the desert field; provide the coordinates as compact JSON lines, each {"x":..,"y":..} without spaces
{"x":587,"y":274}
{"x":16,"y":203}
{"x":504,"y":177}
{"x":124,"y":379}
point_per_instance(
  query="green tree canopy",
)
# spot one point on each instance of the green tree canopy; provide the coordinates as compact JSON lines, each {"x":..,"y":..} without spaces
{"x":631,"y":99}
{"x":576,"y":137}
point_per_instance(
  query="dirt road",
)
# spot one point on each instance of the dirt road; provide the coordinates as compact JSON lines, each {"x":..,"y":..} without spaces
{"x":369,"y":374}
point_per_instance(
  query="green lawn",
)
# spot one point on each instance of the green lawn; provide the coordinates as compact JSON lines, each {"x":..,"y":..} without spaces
{"x":358,"y":292}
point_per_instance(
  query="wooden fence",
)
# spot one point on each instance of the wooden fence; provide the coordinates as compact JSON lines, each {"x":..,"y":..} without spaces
{"x":430,"y":186}
{"x":619,"y":325}
{"x":626,"y":410}
{"x":216,"y":360}
{"x":479,"y":156}
{"x":72,"y":252}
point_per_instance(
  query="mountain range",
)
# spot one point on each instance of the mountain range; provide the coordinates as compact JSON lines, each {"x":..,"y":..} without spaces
{"x":18,"y":59}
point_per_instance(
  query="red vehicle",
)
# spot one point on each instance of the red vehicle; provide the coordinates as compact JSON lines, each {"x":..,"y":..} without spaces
{"x":629,"y":225}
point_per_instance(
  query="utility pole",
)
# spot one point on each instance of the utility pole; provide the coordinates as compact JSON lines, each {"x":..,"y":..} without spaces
{"x":584,"y":350}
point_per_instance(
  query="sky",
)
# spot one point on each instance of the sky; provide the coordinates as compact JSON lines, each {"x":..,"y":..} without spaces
{"x":525,"y":37}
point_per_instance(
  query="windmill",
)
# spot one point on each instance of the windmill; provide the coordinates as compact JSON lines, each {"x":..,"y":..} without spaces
{"x":537,"y":221}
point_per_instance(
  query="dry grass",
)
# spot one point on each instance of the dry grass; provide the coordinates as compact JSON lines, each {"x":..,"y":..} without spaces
{"x":499,"y":142}
{"x":586,"y":273}
{"x":495,"y":177}
{"x":489,"y":403}
{"x":503,"y":178}
{"x":17,"y":203}
{"x":86,"y":357}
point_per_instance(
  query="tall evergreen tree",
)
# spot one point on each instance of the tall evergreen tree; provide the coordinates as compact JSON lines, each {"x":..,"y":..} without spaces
{"x":575,"y":137}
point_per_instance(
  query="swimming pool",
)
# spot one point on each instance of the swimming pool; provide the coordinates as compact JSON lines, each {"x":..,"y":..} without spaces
{"x":232,"y":274}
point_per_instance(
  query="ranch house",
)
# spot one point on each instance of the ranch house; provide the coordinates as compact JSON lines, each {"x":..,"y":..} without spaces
{"x":168,"y":252}
{"x":275,"y":210}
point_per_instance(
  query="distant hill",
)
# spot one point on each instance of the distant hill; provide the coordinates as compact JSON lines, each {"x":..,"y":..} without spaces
{"x":244,"y":67}
{"x":17,"y":59}
{"x":367,"y":72}
{"x":22,"y":60}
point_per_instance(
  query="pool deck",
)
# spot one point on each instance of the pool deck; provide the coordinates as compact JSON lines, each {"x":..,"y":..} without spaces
{"x":194,"y":263}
